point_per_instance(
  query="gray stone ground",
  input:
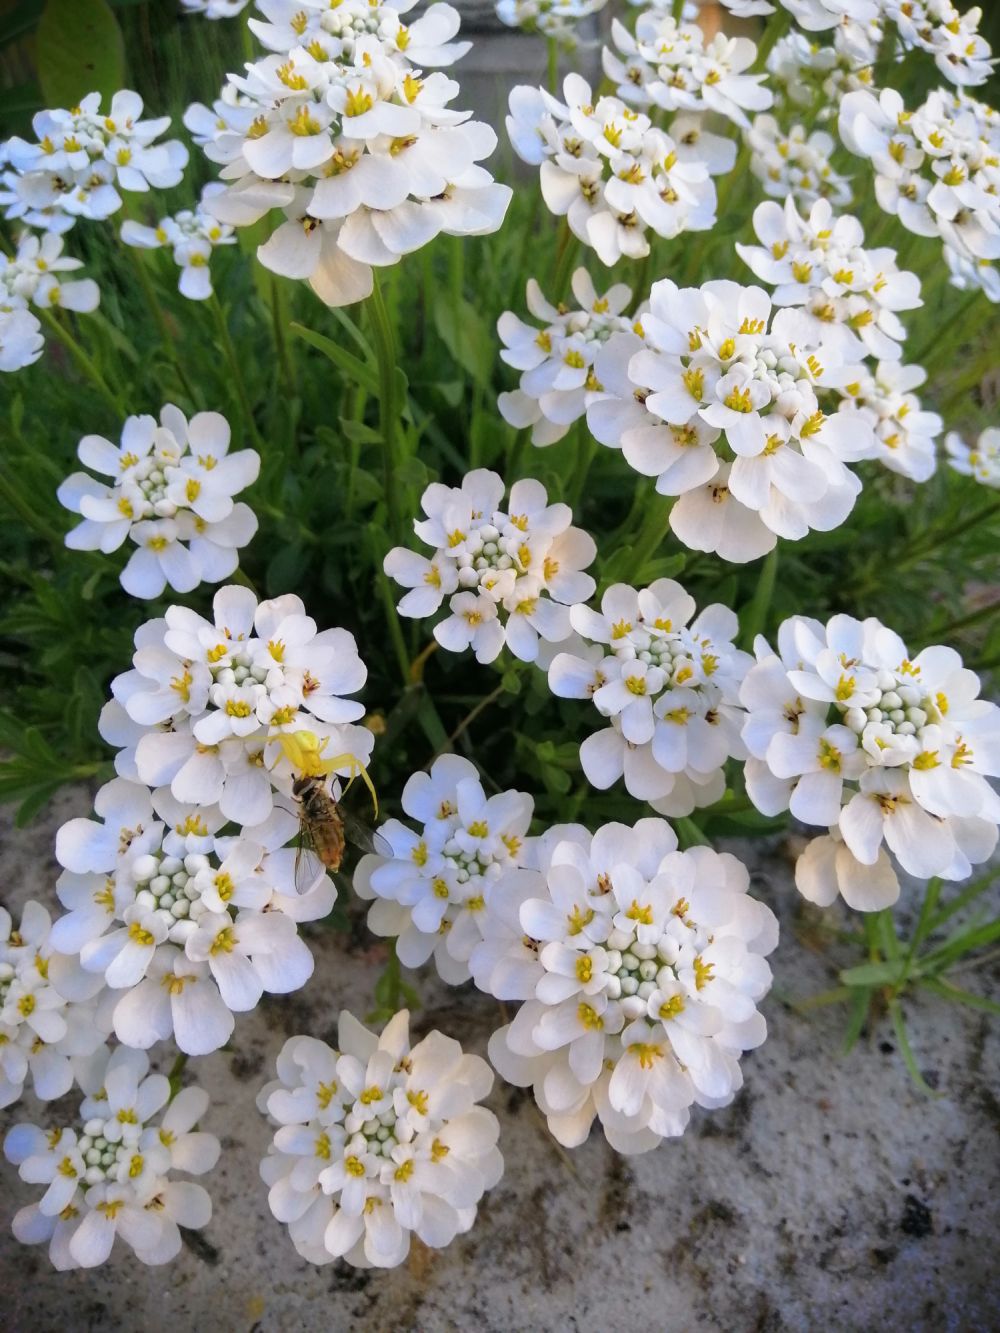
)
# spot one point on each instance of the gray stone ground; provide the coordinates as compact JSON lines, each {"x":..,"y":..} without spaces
{"x":831,"y":1195}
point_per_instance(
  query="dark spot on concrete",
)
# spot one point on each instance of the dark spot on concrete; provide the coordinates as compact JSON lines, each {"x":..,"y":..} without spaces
{"x":882,"y":1255}
{"x":246,"y":1065}
{"x":886,"y":1047}
{"x":200,"y":1247}
{"x":343,"y":1277}
{"x":916,"y":1220}
{"x":618,"y":1181}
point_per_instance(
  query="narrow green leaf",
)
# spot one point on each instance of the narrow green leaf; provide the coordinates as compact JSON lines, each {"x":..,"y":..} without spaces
{"x":352,"y":366}
{"x":860,"y":1005}
{"x":871,"y":974}
{"x":79,"y":50}
{"x":947,"y":991}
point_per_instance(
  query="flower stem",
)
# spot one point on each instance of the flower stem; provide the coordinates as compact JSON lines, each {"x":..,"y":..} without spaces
{"x":654,"y":528}
{"x":387,"y":408}
{"x":226,"y":343}
{"x":553,"y":66}
{"x":176,"y":1070}
{"x":771,"y":36}
{"x":83,"y":361}
{"x":166,"y":333}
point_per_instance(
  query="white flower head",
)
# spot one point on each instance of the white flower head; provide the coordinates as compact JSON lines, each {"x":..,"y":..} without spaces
{"x":433,"y":891}
{"x":21,"y":341}
{"x":171,"y":494}
{"x":510,"y":573}
{"x":218,"y":704}
{"x":111,"y":1176}
{"x":640,"y":968}
{"x":376,"y":1142}
{"x":850,"y":733}
{"x":981,"y":460}
{"x":668,"y":684}
{"x":192,"y":235}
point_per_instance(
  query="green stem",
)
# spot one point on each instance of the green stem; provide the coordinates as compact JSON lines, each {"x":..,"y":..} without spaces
{"x":156,"y":310}
{"x":678,"y":10}
{"x":392,"y":621}
{"x":655,"y":527}
{"x":174,"y":1077}
{"x":886,"y":57}
{"x":229,"y":349}
{"x":83,"y":361}
{"x":279,"y":317}
{"x":387,"y":408}
{"x":584,"y":450}
{"x":553,"y":66}
{"x":16,"y":501}
{"x":948,"y":536}
{"x":773,"y":33}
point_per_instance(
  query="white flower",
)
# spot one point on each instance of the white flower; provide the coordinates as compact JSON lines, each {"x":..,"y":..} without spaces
{"x":851,"y":733}
{"x":557,"y":20}
{"x":795,"y":164}
{"x":943,"y":30}
{"x":214,"y":698}
{"x":378,"y":1141}
{"x":669,"y":686}
{"x":817,"y":15}
{"x":557,"y":382}
{"x":903,"y":433}
{"x":83,"y":157}
{"x":357,"y":147}
{"x":715,"y":366}
{"x":981,"y":461}
{"x":192,"y":235}
{"x":608,"y":170}
{"x":524,"y":561}
{"x":111,"y":1175}
{"x":171,"y":494}
{"x":21,"y":341}
{"x":216,"y":9}
{"x":187,"y":926}
{"x":51,"y":1015}
{"x":32,"y":276}
{"x":640,"y":967}
{"x":433,"y":891}
{"x":819,"y":263}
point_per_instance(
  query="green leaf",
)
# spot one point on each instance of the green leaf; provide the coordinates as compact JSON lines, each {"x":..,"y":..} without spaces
{"x":352,"y":366}
{"x":466,"y":335}
{"x":949,"y":992}
{"x":871,"y":974}
{"x":79,"y":50}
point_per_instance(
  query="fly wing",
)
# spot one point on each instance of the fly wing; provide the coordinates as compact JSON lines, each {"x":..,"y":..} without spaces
{"x":364,"y":838}
{"x":309,"y":868}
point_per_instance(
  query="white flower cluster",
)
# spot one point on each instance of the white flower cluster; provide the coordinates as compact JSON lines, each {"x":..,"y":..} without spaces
{"x":608,"y":170}
{"x":951,"y":36}
{"x":981,"y":460}
{"x":184,"y":925}
{"x":231,"y":113}
{"x":722,"y":406}
{"x":795,"y":164}
{"x":51,"y":1017}
{"x":377,"y":1142}
{"x":640,"y":968}
{"x":171,"y":493}
{"x":937,"y":168}
{"x":672,"y":66}
{"x":558,"y":20}
{"x":112,"y":1176}
{"x":215,"y":9}
{"x":360,"y":151}
{"x":510,"y":574}
{"x":668,"y":685}
{"x":21,"y":341}
{"x":32,"y":277}
{"x":432,"y":893}
{"x":904,"y":434}
{"x":819,"y":263}
{"x":557,"y":362}
{"x":846,"y":730}
{"x":815,"y":76}
{"x":83,"y":157}
{"x":211,"y":707}
{"x":192,"y":235}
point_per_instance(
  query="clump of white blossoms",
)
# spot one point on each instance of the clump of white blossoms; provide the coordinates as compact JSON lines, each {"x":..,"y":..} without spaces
{"x":112,"y":1175}
{"x":21,"y":340}
{"x":722,"y":405}
{"x":192,"y":235}
{"x":185,"y":925}
{"x":640,"y":968}
{"x":796,"y":163}
{"x":359,"y":149}
{"x":510,"y":574}
{"x":981,"y":460}
{"x":904,"y":434}
{"x":673,"y":66}
{"x":84,"y":156}
{"x":947,"y":33}
{"x":51,"y":1017}
{"x":208,"y":704}
{"x":814,"y":75}
{"x":668,"y":683}
{"x":557,"y":382}
{"x":33,"y":276}
{"x":558,"y":20}
{"x":819,"y":263}
{"x":432,"y":893}
{"x":608,"y":170}
{"x":848,"y":731}
{"x":934,"y":167}
{"x":377,"y":1142}
{"x":171,"y":494}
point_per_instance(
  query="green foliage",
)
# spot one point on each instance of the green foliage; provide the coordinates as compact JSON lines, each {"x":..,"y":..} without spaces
{"x":79,"y":50}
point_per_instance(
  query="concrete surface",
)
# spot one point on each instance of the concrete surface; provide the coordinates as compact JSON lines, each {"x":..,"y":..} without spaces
{"x":831,"y":1196}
